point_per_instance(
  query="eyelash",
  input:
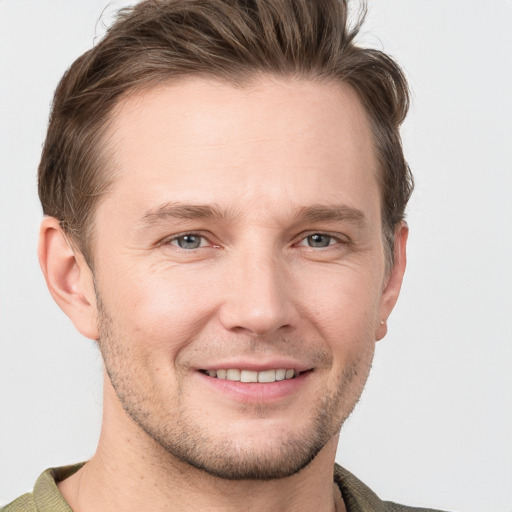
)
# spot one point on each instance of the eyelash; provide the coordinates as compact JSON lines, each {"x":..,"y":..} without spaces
{"x":175,"y":238}
{"x":333,"y":240}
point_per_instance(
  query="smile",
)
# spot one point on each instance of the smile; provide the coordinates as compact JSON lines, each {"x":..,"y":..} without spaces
{"x":265,"y":376}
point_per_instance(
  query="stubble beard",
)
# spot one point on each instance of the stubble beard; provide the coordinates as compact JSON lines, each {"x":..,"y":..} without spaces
{"x":180,"y":437}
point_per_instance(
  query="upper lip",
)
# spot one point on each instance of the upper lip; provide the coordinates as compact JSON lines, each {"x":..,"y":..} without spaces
{"x":257,"y":366}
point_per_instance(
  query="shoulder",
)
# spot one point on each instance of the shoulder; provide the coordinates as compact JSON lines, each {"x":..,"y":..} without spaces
{"x":46,"y":495}
{"x":358,"y":497}
{"x":24,"y":503}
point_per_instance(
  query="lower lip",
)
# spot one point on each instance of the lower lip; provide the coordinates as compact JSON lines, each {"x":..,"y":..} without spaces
{"x":255,"y":392}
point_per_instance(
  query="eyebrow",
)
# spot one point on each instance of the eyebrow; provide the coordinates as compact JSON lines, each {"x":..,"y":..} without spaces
{"x":315,"y":213}
{"x":332,"y":213}
{"x":180,"y":211}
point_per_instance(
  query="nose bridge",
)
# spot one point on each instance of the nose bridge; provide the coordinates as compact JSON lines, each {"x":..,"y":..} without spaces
{"x":259,"y":299}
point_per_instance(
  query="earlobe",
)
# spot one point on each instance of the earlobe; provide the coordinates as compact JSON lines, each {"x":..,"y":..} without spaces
{"x":394,"y":279}
{"x":68,"y":277}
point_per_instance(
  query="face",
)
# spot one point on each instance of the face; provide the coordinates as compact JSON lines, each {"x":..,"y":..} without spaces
{"x":239,"y":270}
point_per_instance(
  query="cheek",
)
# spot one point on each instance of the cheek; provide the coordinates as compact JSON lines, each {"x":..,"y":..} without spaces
{"x":159,"y":309}
{"x":343,"y":305}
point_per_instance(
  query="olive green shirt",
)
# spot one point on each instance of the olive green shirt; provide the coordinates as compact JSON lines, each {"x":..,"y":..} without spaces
{"x":46,"y":496}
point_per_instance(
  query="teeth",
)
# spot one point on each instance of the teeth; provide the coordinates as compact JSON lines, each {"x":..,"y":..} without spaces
{"x":268,"y":376}
{"x":280,"y":374}
{"x":248,"y":376}
{"x":236,"y":375}
{"x":233,"y":375}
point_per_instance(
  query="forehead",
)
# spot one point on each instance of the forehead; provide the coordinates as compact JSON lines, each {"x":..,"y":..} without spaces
{"x":279,"y":142}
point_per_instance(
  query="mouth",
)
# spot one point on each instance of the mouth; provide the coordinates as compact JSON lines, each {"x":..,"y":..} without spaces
{"x":253,"y":383}
{"x":265,"y":376}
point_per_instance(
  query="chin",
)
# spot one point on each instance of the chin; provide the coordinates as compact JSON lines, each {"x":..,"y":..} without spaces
{"x":235,"y":457}
{"x":257,"y":449}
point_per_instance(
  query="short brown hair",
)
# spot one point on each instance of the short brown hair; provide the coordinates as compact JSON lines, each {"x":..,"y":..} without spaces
{"x":162,"y":40}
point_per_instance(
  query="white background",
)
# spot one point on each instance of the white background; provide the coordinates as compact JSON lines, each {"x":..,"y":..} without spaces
{"x":434,"y":426}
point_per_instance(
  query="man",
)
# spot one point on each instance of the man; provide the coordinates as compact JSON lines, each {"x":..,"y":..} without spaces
{"x":224,"y":193}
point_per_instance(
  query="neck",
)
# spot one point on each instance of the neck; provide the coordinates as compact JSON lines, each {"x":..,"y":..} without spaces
{"x":130,"y":470}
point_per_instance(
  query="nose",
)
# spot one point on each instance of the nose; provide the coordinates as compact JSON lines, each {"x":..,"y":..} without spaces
{"x":258,"y":296}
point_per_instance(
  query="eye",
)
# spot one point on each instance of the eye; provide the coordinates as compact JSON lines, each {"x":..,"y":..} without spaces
{"x":188,"y":241}
{"x":318,"y":240}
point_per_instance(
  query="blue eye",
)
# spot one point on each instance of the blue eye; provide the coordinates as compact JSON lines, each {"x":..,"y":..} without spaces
{"x":319,"y":240}
{"x":189,"y":241}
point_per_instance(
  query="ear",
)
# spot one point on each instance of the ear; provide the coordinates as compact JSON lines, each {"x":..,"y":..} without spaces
{"x":393,"y":281}
{"x":68,"y":277}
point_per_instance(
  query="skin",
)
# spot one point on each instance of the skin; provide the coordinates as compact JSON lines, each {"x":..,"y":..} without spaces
{"x":254,"y":173}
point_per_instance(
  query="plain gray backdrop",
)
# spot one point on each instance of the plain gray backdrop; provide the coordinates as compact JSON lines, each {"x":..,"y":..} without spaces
{"x":434,"y":426}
